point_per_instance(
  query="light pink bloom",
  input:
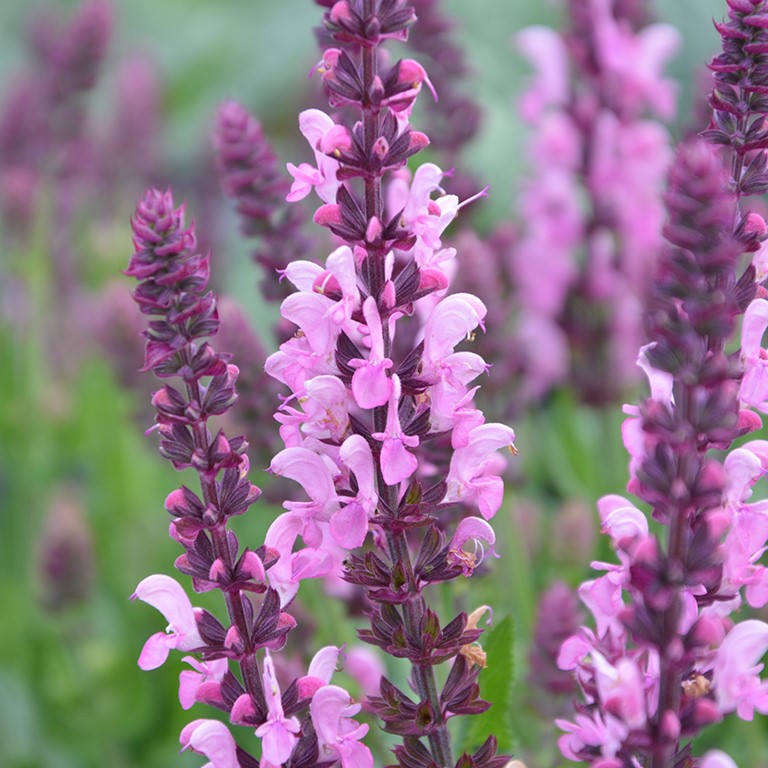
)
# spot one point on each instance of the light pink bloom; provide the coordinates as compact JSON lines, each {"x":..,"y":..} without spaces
{"x":621,"y":520}
{"x":312,"y":472}
{"x":593,"y":731}
{"x":716,"y":759}
{"x":370,"y":384}
{"x":279,"y":733}
{"x":305,"y":177}
{"x":754,"y":384}
{"x":397,"y":462}
{"x":735,"y":674}
{"x":338,"y":734}
{"x":207,"y":673}
{"x":168,"y":596}
{"x":349,"y":525}
{"x":477,"y":531}
{"x":314,"y":125}
{"x":212,"y":739}
{"x":320,"y":671}
{"x":603,"y":597}
{"x":454,"y":319}
{"x":621,"y":688}
{"x":308,"y":563}
{"x":467,"y":479}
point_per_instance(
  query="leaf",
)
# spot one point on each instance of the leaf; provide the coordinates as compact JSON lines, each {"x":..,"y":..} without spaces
{"x":496,"y":686}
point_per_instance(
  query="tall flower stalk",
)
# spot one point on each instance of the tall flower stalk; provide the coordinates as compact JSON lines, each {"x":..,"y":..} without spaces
{"x":670,"y":660}
{"x":365,"y":398}
{"x":233,"y":668}
{"x":374,"y":375}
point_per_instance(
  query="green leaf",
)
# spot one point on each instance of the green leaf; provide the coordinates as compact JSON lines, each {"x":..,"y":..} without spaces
{"x":496,"y":686}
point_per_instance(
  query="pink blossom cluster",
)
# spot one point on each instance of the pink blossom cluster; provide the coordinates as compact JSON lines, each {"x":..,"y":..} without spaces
{"x":591,"y":209}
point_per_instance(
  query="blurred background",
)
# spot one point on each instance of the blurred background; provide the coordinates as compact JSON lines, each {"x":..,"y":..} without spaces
{"x":82,"y":487}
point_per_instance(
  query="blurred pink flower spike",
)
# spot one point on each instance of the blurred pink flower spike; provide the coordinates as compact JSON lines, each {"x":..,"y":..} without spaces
{"x":212,"y":739}
{"x":167,"y":596}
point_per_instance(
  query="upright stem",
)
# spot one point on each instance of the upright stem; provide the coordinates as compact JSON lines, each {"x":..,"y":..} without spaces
{"x":249,"y":667}
{"x":413,"y":609}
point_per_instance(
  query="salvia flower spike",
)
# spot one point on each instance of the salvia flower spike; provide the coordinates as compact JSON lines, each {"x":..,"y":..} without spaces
{"x":665,"y":659}
{"x":232,"y":669}
{"x":375,"y":375}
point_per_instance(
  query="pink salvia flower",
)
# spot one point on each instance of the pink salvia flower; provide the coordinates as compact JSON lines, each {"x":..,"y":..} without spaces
{"x":212,"y":739}
{"x":397,"y":462}
{"x":278,"y":733}
{"x":168,"y":596}
{"x":371,"y":385}
{"x":338,"y":734}
{"x":735,"y":675}
{"x":207,"y":677}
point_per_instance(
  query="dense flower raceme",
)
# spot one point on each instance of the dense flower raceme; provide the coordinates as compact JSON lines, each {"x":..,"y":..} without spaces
{"x":310,"y":722}
{"x":374,"y":374}
{"x":581,"y":266}
{"x":739,"y":109}
{"x":665,"y":659}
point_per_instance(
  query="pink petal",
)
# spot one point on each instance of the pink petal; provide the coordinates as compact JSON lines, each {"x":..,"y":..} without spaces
{"x":212,"y":739}
{"x":370,"y":384}
{"x":349,"y":526}
{"x":753,"y":327}
{"x":397,"y":463}
{"x":324,"y":663}
{"x":156,"y":650}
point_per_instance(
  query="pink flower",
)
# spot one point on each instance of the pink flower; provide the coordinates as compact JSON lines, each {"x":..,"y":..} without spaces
{"x":212,"y":739}
{"x":312,"y":472}
{"x":278,"y":734}
{"x":370,"y":384}
{"x":547,"y":53}
{"x":285,"y":575}
{"x":366,"y":667}
{"x":622,"y":689}
{"x":320,"y":671}
{"x":735,"y":674}
{"x":467,"y":478}
{"x":754,"y":384}
{"x":476,"y":530}
{"x":207,"y":677}
{"x":168,"y":596}
{"x":716,"y":759}
{"x":349,"y":525}
{"x":397,"y":463}
{"x":587,"y":731}
{"x":338,"y":734}
{"x":314,"y":125}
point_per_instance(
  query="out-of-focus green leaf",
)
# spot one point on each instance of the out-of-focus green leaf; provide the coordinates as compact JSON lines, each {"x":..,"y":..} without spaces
{"x":496,"y":685}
